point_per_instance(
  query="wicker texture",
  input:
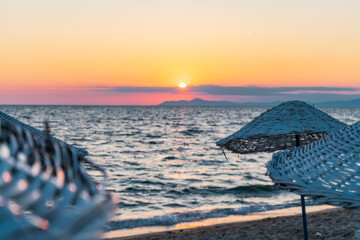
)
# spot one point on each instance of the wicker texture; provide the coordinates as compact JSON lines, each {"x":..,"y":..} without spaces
{"x":4,"y":116}
{"x":276,"y":129}
{"x":328,"y":169}
{"x":53,"y":196}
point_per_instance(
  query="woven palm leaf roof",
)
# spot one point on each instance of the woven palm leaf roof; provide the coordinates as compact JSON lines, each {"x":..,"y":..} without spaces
{"x":54,"y":196}
{"x":276,"y":129}
{"x":41,"y":134}
{"x":328,"y":169}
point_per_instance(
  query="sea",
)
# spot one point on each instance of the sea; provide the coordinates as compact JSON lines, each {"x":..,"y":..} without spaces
{"x":163,"y":164}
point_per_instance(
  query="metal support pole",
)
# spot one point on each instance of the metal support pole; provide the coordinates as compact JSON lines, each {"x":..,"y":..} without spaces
{"x":304,"y":217}
{"x":297,"y":138}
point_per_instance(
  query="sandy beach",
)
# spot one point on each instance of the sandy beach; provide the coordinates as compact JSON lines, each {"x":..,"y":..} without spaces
{"x":336,"y":223}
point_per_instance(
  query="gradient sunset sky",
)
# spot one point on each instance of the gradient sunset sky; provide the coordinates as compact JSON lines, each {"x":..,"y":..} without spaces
{"x":136,"y":52}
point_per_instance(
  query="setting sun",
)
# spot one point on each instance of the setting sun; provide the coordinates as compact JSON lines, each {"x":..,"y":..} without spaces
{"x":182,"y":85}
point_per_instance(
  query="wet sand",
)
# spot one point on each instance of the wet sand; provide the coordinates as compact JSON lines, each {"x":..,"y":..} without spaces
{"x":335,"y":223}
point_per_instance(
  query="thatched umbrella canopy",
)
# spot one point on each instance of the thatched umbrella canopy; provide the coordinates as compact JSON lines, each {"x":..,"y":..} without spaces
{"x":290,"y":124}
{"x":327,"y":169}
{"x":277,"y":128}
{"x":54,"y":196}
{"x":39,"y":133}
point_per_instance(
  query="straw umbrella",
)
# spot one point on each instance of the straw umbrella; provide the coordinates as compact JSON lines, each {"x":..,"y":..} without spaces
{"x":287,"y":125}
{"x":54,"y":196}
{"x":327,"y":170}
{"x":3,"y":116}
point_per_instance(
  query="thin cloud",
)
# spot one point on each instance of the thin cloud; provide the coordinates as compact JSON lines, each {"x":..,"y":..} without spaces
{"x":269,"y":91}
{"x":137,"y":89}
{"x":234,"y":90}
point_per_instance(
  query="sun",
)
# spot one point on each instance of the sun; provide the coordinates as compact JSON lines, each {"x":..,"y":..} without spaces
{"x":182,"y":85}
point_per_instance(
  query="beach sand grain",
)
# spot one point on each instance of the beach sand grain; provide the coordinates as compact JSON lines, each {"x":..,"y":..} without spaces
{"x":332,"y":224}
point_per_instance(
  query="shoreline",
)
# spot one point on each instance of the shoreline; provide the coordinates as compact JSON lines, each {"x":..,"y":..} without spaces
{"x":162,"y":232}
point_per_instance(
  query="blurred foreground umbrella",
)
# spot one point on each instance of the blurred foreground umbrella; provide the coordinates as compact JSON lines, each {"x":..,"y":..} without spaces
{"x":41,"y":134}
{"x":45,"y":193}
{"x":327,"y":170}
{"x":289,"y":124}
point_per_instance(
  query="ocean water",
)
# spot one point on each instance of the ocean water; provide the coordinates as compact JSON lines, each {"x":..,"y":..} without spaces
{"x":164,"y":167}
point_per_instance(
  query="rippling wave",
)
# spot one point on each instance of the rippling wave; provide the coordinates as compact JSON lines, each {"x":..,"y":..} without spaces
{"x":192,"y":216}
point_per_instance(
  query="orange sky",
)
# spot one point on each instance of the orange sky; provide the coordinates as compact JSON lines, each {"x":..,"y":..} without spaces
{"x":88,"y":43}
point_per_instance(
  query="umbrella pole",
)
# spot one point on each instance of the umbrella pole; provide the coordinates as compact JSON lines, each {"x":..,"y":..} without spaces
{"x":304,"y":217}
{"x":297,"y":138}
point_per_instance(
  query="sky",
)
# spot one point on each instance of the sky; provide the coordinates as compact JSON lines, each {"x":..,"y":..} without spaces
{"x":137,"y":52}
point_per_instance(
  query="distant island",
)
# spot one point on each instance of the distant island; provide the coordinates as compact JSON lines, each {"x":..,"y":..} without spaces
{"x":201,"y":102}
{"x":198,"y":102}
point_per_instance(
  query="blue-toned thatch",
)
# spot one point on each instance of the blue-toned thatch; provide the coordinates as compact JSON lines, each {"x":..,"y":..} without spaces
{"x":37,"y":132}
{"x":277,"y":128}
